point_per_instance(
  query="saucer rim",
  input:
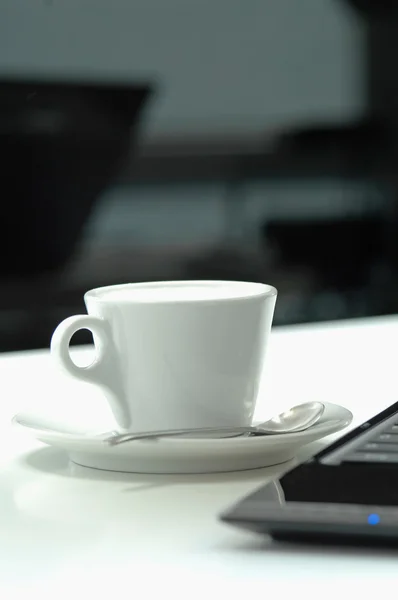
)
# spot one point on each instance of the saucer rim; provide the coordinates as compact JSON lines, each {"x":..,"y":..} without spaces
{"x":186,"y":456}
{"x":320,"y":429}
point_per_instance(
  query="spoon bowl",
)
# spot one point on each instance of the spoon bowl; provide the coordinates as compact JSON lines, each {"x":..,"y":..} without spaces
{"x":297,"y":418}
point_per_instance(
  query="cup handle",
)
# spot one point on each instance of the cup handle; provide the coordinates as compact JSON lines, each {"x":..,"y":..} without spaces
{"x":103,"y":371}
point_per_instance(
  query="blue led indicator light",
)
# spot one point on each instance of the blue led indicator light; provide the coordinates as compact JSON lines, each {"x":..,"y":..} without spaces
{"x":373,"y":519}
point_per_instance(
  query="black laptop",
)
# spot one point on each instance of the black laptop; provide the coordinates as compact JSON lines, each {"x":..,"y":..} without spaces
{"x":348,"y":493}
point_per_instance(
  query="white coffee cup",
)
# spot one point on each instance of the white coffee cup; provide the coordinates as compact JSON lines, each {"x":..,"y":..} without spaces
{"x":178,"y":354}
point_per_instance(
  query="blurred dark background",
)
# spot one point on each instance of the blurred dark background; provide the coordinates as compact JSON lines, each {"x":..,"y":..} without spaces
{"x":163,"y":139}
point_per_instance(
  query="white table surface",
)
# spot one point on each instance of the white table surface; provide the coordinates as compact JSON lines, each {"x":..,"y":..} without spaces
{"x":67,"y":531}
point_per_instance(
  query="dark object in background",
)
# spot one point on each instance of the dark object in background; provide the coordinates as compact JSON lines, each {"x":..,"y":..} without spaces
{"x":228,"y":263}
{"x":375,"y":8}
{"x":341,"y":252}
{"x":355,"y":145}
{"x":60,"y":145}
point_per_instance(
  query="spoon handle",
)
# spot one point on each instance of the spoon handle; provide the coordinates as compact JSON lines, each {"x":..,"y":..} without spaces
{"x":122,"y":438}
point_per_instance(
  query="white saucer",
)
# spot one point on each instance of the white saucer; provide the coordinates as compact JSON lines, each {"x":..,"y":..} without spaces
{"x":183,"y":455}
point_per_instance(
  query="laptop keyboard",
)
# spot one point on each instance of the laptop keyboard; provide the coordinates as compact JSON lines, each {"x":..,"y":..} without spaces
{"x":380,"y":448}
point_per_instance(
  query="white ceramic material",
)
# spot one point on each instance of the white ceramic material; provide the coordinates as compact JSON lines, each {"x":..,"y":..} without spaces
{"x":182,"y":455}
{"x":174,"y":355}
{"x":71,"y":532}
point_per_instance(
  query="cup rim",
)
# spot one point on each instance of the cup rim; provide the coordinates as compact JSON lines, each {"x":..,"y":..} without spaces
{"x":259,"y":290}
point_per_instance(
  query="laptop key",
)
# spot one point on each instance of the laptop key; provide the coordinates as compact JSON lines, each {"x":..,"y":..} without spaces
{"x":387,"y":437}
{"x":393,"y":429}
{"x":379,"y":447}
{"x":372,"y":457}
